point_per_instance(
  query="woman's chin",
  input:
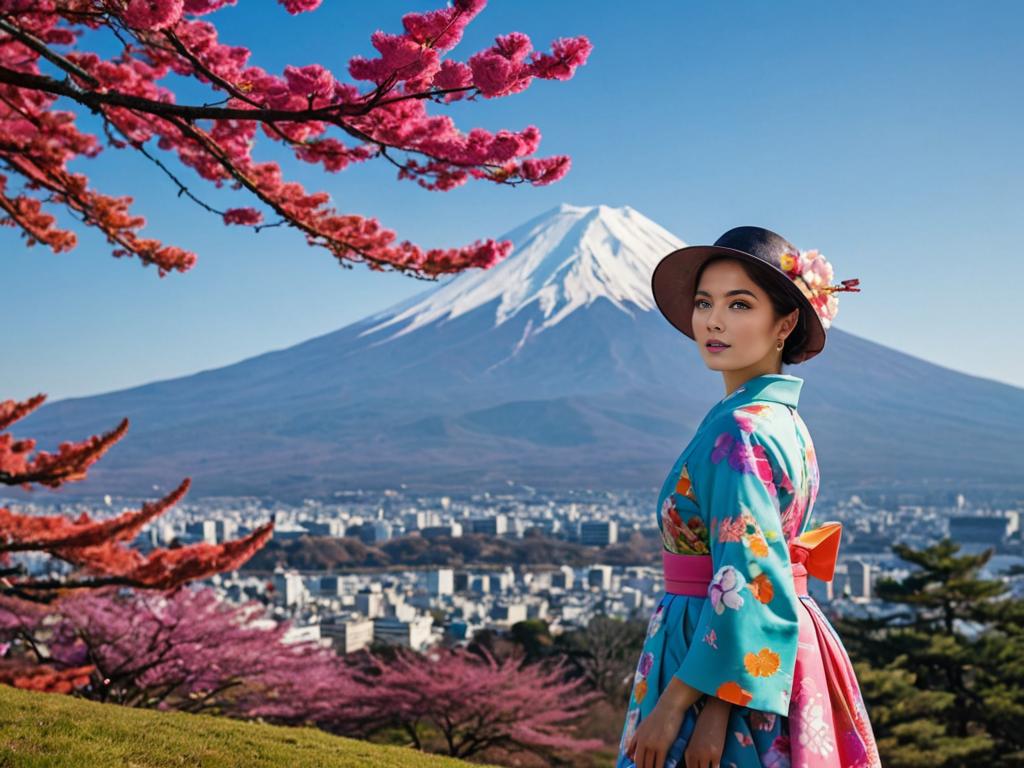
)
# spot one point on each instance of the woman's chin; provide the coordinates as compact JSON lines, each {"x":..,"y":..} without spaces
{"x":715,"y":363}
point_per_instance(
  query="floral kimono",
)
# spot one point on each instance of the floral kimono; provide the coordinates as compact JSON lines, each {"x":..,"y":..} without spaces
{"x":740,"y":491}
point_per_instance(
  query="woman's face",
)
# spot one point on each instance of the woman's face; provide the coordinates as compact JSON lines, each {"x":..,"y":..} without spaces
{"x":730,"y":307}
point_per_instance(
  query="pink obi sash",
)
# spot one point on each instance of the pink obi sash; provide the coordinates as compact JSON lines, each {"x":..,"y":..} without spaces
{"x":828,"y":725}
{"x":811,"y":553}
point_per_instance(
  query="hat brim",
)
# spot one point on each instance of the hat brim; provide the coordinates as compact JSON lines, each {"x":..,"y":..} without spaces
{"x":673,"y":284}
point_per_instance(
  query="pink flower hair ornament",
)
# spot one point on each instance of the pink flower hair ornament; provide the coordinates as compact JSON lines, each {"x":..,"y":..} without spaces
{"x":812,"y":273}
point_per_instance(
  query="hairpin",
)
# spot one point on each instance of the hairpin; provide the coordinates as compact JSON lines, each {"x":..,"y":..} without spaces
{"x":847,"y":285}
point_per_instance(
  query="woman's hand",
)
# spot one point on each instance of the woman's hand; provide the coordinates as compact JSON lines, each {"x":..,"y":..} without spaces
{"x":656,"y":732}
{"x":654,"y":736}
{"x":708,"y":740}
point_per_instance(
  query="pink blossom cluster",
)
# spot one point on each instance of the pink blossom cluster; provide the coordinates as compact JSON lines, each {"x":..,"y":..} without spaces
{"x":475,"y":700}
{"x":184,"y":649}
{"x":812,"y":273}
{"x":188,"y":650}
{"x":297,"y":108}
{"x":160,"y":14}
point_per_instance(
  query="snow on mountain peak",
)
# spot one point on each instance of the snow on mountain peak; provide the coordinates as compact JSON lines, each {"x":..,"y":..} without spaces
{"x":563,"y":259}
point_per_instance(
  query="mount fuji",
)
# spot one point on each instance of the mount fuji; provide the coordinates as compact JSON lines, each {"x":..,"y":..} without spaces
{"x":552,"y":369}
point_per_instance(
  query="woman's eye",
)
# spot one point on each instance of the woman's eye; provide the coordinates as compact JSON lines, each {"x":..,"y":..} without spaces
{"x":700,"y":302}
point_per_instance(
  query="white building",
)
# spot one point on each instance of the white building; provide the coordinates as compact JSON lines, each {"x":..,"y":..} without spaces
{"x":441,"y":582}
{"x":348,"y":634}
{"x":288,"y":588}
{"x":370,"y":604}
{"x":496,"y":525}
{"x":859,"y":579}
{"x":599,"y":533}
{"x":600,"y":576}
{"x":403,"y":611}
{"x":333,"y":528}
{"x":502,"y":581}
{"x":421,"y":518}
{"x":201,"y":531}
{"x":382,"y":530}
{"x":225,"y":529}
{"x":563,"y":578}
{"x":413,"y":634}
{"x":509,"y":613}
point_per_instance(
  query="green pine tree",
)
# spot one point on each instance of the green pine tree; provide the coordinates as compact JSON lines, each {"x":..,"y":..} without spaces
{"x":943,"y":674}
{"x":910,"y":723}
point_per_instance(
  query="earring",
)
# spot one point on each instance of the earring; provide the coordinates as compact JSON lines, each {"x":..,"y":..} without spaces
{"x":780,"y":345}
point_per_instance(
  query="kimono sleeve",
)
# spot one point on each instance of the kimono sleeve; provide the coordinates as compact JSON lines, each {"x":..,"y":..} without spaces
{"x":744,"y":647}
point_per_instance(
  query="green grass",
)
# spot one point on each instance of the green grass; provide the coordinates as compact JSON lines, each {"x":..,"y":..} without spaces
{"x":49,"y":729}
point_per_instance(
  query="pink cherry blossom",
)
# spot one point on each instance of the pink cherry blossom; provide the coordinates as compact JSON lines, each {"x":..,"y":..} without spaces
{"x":200,"y":7}
{"x":153,"y":14}
{"x":567,"y":53}
{"x":312,"y":80}
{"x":384,"y":114}
{"x":242,"y":216}
{"x":300,"y":6}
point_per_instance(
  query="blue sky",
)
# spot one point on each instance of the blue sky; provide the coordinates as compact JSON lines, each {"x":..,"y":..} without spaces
{"x":884,"y":134}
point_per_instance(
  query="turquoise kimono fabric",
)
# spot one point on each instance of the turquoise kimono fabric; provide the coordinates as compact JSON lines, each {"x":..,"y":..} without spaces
{"x":742,"y":487}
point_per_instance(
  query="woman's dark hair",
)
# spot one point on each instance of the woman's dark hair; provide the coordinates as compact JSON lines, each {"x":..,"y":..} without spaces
{"x":782,"y":301}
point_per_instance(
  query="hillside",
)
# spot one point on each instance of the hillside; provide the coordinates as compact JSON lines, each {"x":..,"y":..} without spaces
{"x":56,"y":731}
{"x":551,"y":370}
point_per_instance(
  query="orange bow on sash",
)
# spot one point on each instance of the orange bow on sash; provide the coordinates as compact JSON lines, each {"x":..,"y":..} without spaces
{"x":811,"y":553}
{"x":815,"y":552}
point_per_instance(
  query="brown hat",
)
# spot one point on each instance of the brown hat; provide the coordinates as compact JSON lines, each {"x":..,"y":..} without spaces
{"x":806,"y":276}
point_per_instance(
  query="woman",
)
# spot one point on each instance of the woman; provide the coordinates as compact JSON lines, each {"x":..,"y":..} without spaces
{"x":740,"y":667}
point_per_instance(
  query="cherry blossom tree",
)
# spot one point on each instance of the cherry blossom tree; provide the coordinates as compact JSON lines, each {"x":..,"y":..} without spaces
{"x":184,"y":649}
{"x":475,"y":702}
{"x":75,"y":633}
{"x":318,"y":117}
{"x":187,"y":650}
{"x":94,"y":550}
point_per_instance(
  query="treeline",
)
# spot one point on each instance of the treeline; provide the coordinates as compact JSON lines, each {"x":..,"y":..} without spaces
{"x":942,"y":672}
{"x":311,"y":553}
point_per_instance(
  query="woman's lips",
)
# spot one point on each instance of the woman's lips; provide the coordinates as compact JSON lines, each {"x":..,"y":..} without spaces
{"x":716,"y":349}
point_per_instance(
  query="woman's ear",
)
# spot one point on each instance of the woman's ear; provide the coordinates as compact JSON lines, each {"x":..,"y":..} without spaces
{"x":789,"y":321}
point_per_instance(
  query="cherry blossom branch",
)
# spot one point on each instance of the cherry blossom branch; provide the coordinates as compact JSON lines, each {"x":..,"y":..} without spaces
{"x":67,"y":465}
{"x":295,"y":109}
{"x":45,"y":51}
{"x":94,"y":547}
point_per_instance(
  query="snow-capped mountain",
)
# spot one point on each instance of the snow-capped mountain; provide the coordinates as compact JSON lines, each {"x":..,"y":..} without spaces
{"x":554,"y":369}
{"x":564,"y":261}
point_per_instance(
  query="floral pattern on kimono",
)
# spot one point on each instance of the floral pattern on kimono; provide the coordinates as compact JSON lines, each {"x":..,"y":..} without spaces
{"x":736,"y":493}
{"x":752,"y":604}
{"x":741,"y":489}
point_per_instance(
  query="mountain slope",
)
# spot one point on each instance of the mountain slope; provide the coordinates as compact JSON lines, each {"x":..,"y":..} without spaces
{"x":553,"y":369}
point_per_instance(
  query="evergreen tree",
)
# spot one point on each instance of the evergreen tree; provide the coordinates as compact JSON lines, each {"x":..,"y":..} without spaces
{"x":943,"y":674}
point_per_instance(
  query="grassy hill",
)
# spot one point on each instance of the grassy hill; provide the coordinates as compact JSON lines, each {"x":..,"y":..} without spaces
{"x":52,"y":730}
